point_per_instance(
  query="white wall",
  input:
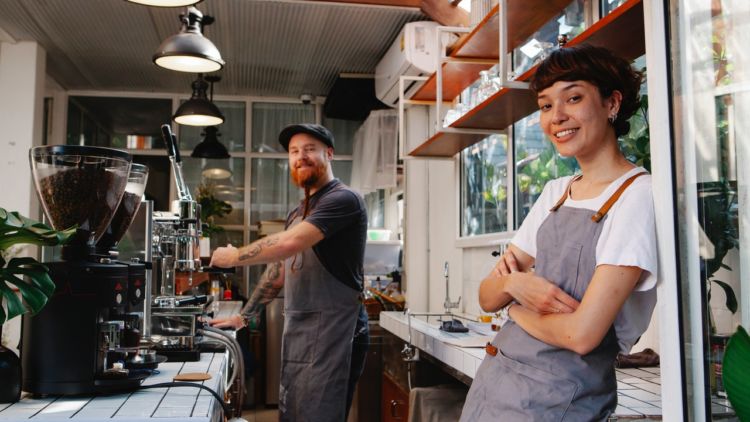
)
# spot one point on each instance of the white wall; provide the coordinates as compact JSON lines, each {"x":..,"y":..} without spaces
{"x":22,"y":70}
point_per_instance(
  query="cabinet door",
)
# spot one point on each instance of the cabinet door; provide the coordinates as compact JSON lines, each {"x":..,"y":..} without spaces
{"x":395,"y":404}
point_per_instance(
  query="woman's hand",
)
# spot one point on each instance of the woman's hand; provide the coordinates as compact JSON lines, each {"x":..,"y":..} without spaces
{"x":539,"y":294}
{"x":225,"y":257}
{"x":235,"y":321}
{"x":533,"y":292}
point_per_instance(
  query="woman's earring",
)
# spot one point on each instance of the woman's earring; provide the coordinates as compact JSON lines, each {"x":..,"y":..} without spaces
{"x":612,"y":118}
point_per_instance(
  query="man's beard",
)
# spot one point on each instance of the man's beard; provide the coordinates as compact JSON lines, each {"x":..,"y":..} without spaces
{"x":307,"y":177}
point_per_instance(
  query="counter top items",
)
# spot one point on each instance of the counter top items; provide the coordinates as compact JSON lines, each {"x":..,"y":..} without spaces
{"x":644,"y":358}
{"x":638,"y":389}
{"x":176,"y":403}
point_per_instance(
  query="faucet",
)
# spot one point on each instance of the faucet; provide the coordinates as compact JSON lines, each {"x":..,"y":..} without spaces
{"x":448,"y":305}
{"x":409,"y":353}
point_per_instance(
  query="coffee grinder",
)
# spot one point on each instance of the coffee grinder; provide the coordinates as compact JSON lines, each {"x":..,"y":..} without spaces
{"x":138,"y":355}
{"x":74,"y":345}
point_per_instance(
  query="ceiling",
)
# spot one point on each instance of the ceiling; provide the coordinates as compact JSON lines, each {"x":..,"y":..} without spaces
{"x":276,"y":48}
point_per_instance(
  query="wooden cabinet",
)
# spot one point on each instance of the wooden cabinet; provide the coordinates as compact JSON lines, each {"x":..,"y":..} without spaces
{"x":620,"y":31}
{"x":394,"y":402}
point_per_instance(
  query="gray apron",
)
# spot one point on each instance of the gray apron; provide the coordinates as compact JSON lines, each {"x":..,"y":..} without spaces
{"x":320,"y":314}
{"x":530,"y":380}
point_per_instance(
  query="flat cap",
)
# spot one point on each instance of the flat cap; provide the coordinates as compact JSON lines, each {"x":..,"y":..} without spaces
{"x":319,"y":132}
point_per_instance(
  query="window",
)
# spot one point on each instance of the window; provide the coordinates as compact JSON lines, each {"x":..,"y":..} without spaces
{"x":270,"y":118}
{"x":710,"y":74}
{"x":537,"y":162}
{"x":132,"y":123}
{"x":484,"y":187}
{"x":231,"y":132}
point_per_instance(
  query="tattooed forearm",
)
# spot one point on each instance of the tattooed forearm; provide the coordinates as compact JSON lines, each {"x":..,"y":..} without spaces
{"x":267,"y":289}
{"x":254,"y":249}
{"x":251,"y":252}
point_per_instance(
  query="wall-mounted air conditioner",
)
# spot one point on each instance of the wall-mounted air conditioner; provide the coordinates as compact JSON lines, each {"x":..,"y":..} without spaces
{"x":414,"y":53}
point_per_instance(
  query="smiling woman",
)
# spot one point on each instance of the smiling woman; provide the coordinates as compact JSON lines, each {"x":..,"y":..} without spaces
{"x":590,"y":240}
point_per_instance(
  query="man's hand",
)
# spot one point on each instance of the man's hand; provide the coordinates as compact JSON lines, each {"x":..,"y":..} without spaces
{"x":540,"y":295}
{"x":224,"y":257}
{"x":235,"y":321}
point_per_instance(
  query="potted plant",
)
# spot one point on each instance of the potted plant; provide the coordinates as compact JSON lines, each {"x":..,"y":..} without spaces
{"x":211,"y":208}
{"x":30,"y":277}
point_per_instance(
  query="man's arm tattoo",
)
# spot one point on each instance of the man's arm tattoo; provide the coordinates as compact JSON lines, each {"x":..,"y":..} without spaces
{"x":254,"y":249}
{"x":265,"y":291}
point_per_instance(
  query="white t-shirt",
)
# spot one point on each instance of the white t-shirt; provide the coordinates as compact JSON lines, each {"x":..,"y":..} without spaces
{"x":628,"y":238}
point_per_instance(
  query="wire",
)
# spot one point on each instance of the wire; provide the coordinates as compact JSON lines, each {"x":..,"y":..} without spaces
{"x":224,"y":406}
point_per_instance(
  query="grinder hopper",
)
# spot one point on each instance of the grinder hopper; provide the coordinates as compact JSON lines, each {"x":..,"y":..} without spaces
{"x":125,"y":213}
{"x":81,"y":186}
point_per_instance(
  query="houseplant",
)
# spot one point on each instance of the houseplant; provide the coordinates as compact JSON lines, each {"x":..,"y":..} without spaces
{"x":211,"y":208}
{"x":30,"y":277}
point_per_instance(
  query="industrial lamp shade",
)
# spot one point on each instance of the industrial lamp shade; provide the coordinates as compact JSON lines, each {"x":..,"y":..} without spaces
{"x":199,"y":110}
{"x":166,"y":3}
{"x":210,"y":147}
{"x":216,"y":169}
{"x":189,"y":50}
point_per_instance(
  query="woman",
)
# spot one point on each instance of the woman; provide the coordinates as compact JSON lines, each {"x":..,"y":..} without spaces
{"x":590,"y":240}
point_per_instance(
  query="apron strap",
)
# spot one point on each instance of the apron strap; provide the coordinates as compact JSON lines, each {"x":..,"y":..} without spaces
{"x":615,"y":196}
{"x":566,"y":194}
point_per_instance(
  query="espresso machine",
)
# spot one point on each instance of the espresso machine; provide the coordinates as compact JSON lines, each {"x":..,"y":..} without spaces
{"x":76,"y":344}
{"x":172,"y":318}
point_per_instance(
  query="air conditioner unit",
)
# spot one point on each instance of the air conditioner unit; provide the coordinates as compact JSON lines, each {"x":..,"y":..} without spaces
{"x":413,"y":53}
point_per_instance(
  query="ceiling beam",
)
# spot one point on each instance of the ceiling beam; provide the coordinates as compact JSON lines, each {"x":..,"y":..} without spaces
{"x":394,"y":3}
{"x":445,"y":12}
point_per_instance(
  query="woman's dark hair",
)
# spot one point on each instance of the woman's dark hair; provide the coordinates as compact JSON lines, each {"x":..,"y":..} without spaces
{"x":599,"y":67}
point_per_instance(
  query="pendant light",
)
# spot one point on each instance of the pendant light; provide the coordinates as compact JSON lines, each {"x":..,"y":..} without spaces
{"x":216,"y":169}
{"x":199,"y":110}
{"x":210,"y":147}
{"x":166,"y":3}
{"x":189,"y":50}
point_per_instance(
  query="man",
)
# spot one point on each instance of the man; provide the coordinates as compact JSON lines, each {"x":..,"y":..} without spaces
{"x":318,"y":262}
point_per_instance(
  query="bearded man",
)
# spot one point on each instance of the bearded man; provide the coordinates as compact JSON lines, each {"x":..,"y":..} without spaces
{"x":318,"y":261}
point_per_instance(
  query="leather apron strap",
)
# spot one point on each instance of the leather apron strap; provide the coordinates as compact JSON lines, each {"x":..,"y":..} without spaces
{"x":607,"y":204}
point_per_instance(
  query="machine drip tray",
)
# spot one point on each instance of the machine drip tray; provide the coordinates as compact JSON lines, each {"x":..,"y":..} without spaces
{"x":178,"y":353}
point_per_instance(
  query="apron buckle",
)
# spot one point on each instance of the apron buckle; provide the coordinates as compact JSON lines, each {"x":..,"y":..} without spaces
{"x":491,"y":349}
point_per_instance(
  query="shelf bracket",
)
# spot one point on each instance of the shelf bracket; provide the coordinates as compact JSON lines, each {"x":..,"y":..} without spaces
{"x":401,"y":102}
{"x":442,"y":58}
{"x":502,"y":53}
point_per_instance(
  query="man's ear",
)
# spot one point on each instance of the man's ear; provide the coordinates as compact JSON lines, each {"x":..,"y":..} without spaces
{"x":329,"y":153}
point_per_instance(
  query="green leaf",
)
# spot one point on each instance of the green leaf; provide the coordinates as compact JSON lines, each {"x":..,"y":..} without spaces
{"x":35,"y":271}
{"x":29,"y":276}
{"x":14,"y":304}
{"x":731,"y":301}
{"x":735,"y":368}
{"x":34,"y":298}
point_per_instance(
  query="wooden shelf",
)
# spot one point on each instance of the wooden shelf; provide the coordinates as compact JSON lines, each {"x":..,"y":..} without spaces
{"x":484,"y":43}
{"x":620,"y":31}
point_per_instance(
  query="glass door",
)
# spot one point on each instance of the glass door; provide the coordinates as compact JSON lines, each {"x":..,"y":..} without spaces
{"x":711,"y":104}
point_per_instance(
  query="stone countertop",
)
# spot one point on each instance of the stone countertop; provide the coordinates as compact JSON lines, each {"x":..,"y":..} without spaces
{"x":638,"y":390}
